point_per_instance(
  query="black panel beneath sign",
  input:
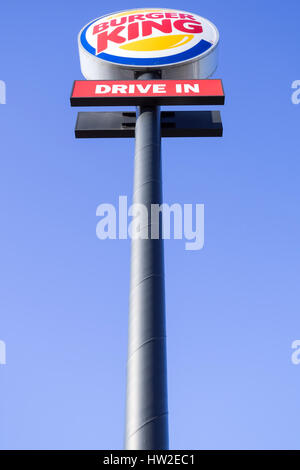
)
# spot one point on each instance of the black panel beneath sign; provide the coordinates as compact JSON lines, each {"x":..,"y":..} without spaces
{"x":173,"y":124}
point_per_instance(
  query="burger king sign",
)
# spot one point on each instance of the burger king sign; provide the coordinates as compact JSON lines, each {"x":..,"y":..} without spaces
{"x":178,"y":43}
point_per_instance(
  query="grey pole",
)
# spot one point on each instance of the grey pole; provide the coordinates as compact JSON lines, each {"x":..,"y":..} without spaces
{"x":147,"y":402}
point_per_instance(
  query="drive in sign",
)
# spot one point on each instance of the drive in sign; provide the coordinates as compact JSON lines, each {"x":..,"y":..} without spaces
{"x":154,"y":92}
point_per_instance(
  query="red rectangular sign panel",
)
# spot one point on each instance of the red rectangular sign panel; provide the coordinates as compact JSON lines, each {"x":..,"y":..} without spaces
{"x":140,"y":92}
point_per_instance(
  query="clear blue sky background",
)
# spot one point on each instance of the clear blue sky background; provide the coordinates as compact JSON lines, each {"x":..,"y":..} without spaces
{"x":232,"y":308}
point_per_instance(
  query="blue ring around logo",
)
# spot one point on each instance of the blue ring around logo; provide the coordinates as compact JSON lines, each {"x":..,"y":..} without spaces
{"x":195,"y":51}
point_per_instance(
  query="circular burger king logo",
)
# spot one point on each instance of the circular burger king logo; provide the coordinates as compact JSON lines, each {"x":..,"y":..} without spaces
{"x":151,"y":37}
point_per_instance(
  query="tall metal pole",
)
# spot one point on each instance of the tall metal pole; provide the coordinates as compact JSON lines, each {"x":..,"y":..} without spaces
{"x":147,"y":402}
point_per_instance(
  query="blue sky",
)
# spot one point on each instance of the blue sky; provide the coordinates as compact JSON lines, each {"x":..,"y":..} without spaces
{"x":232,"y":308}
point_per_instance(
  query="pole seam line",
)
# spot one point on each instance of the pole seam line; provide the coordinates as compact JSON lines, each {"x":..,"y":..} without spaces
{"x":138,"y":151}
{"x":146,"y":182}
{"x":145,"y":279}
{"x":143,"y":344}
{"x":147,"y":422}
